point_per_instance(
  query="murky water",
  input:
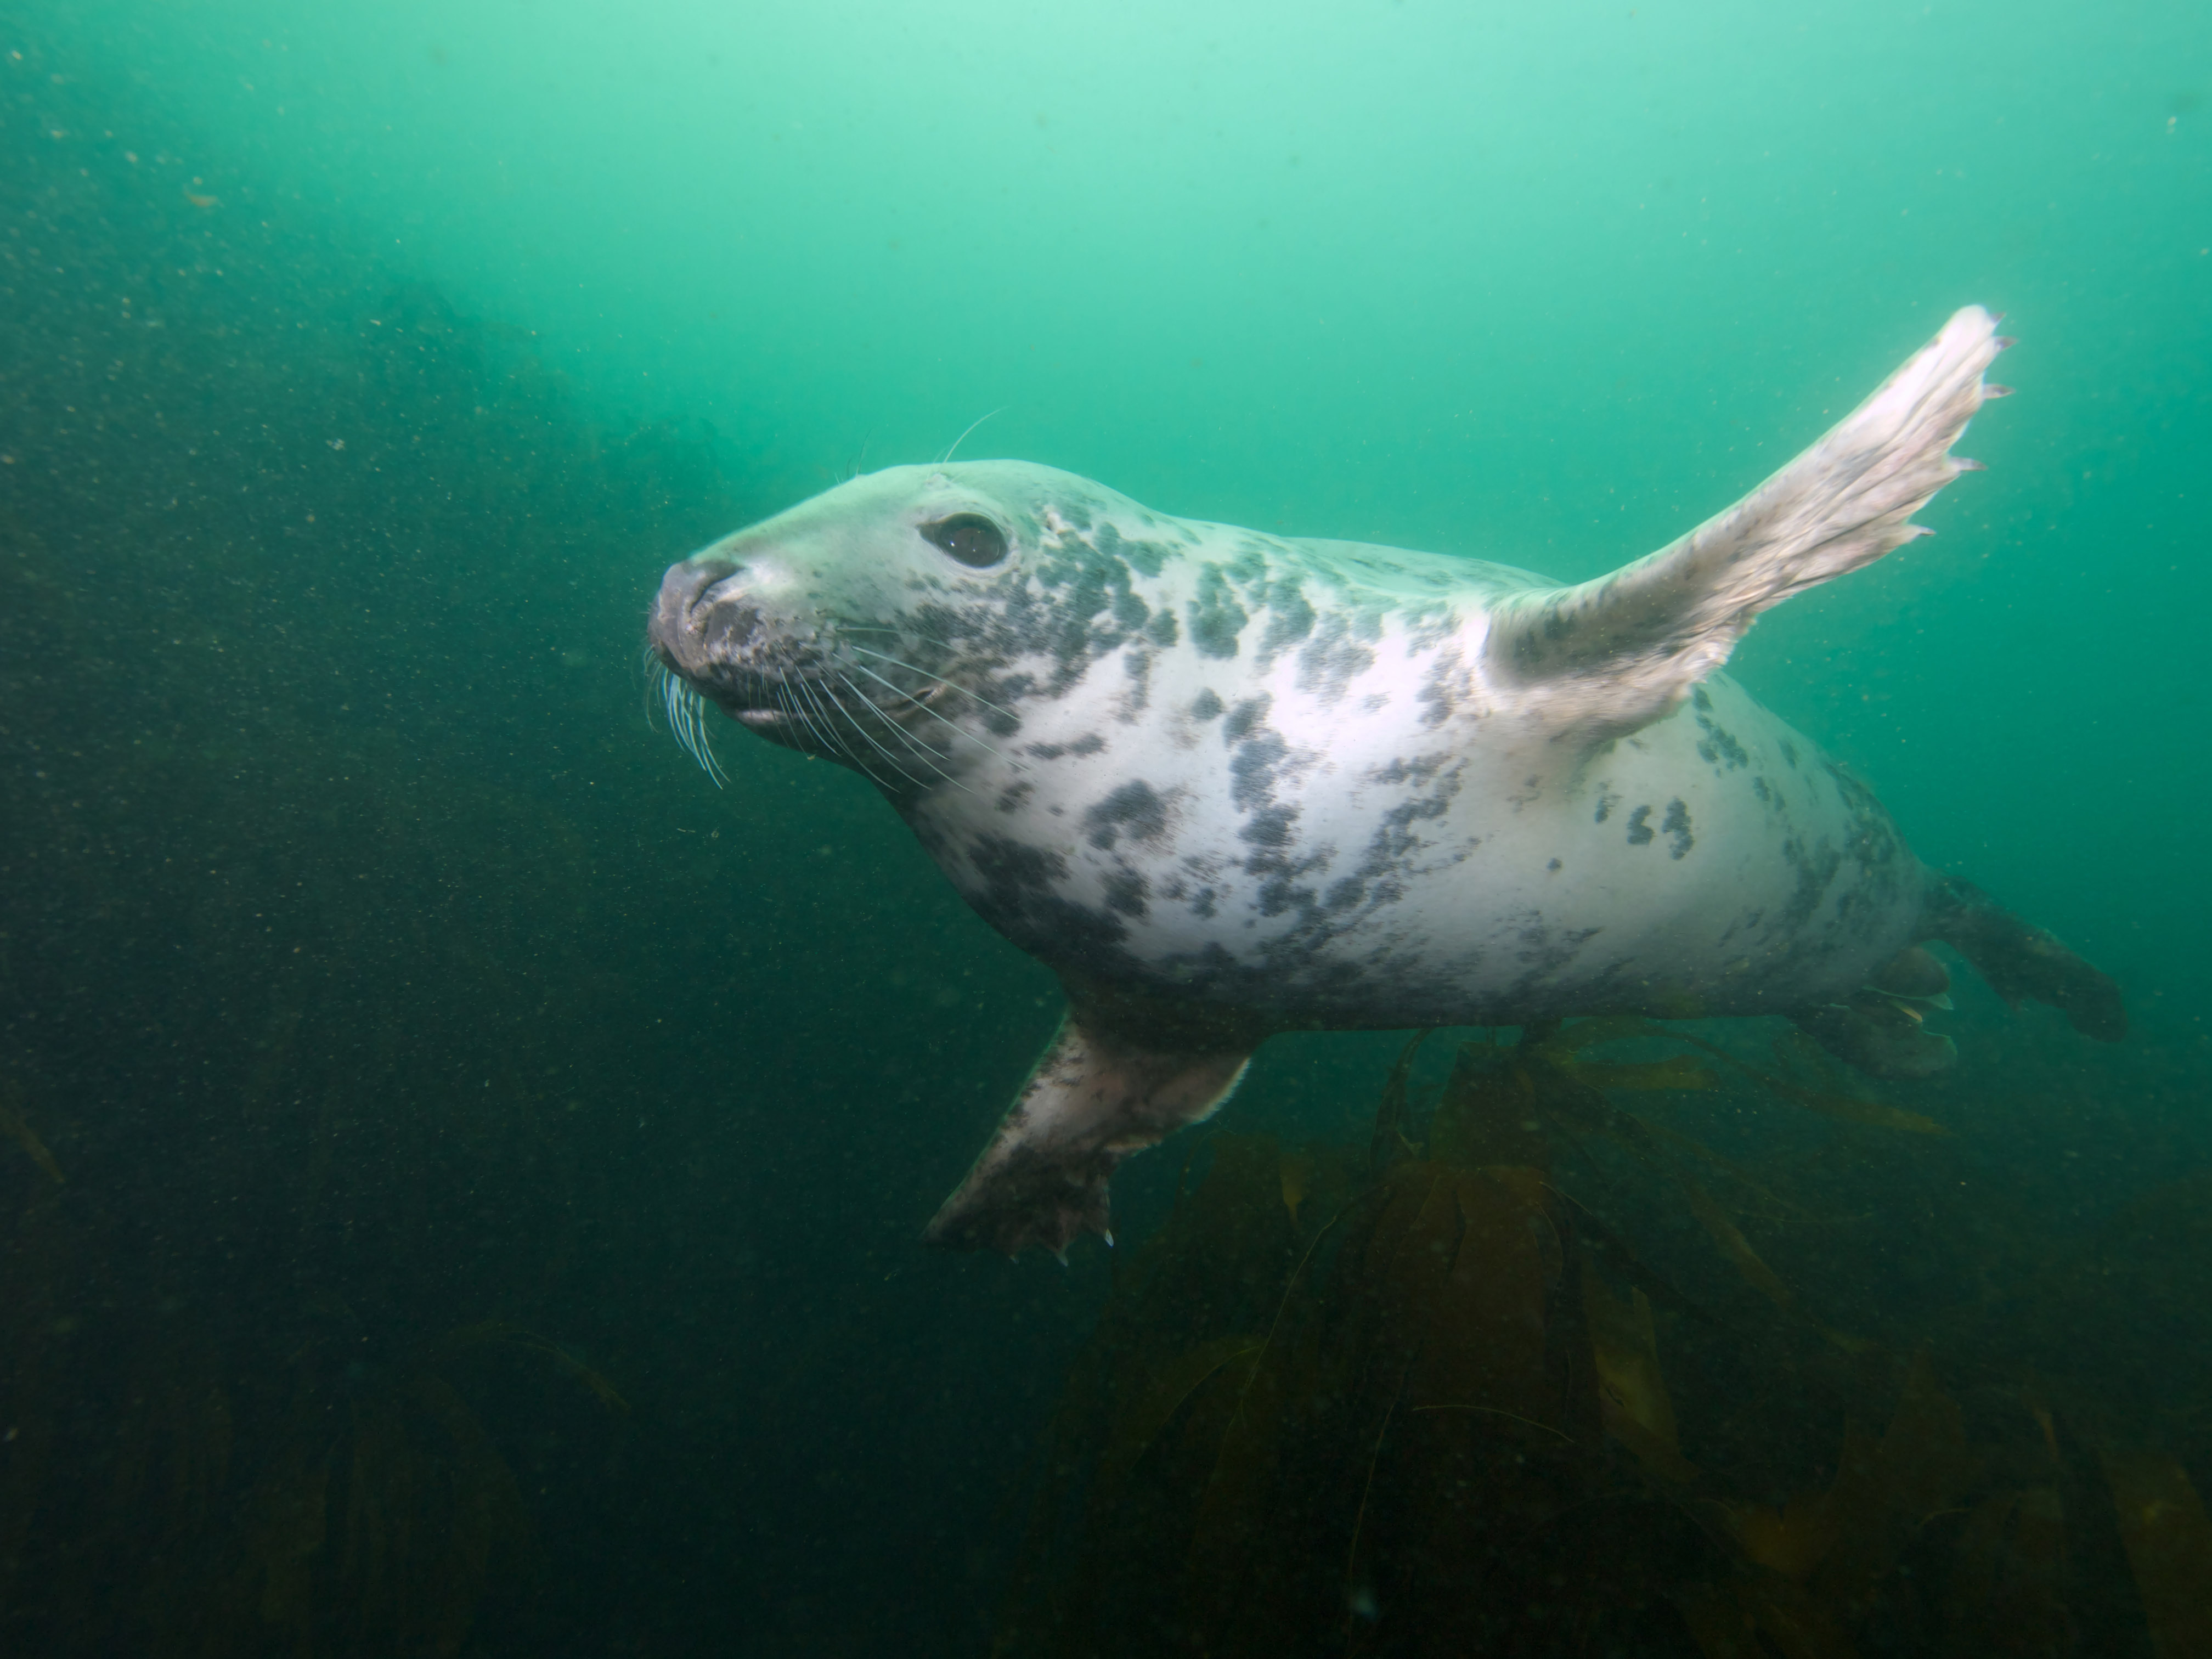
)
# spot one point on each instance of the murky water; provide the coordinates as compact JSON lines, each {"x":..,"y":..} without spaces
{"x":460,"y":1172}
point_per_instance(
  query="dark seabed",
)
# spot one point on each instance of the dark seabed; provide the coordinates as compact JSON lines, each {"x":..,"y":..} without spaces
{"x":461,"y":1175}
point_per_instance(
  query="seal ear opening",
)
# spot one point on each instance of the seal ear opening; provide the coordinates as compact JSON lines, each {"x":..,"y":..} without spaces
{"x":1093,"y":1098}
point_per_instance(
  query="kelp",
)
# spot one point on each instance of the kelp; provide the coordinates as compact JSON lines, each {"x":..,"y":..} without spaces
{"x":387,"y":1513}
{"x":16,"y":1126}
{"x":2169,"y":1544}
{"x":1413,"y":1398}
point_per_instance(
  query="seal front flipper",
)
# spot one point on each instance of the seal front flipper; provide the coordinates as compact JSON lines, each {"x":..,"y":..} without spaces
{"x":1615,"y":654}
{"x":1119,"y":1076}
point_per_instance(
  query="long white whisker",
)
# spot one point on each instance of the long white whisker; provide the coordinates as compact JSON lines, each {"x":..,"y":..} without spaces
{"x":790,"y":707}
{"x":686,"y":710}
{"x":945,"y":459}
{"x":939,"y":679}
{"x":801,"y":703}
{"x":932,"y":713}
{"x":807,"y":690}
{"x":935,"y":756}
{"x":891,"y":760}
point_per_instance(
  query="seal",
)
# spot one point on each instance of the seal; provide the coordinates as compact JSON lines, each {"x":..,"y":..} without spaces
{"x":1227,"y":784}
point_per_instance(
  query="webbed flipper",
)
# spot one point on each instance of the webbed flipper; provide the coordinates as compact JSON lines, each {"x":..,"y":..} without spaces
{"x":2022,"y":962}
{"x":1881,"y":1028}
{"x":1119,"y":1076}
{"x":1612,"y":654}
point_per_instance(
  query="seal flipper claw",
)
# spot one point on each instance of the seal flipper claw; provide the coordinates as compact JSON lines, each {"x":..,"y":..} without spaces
{"x":1098,"y":1094}
{"x":1611,"y":655}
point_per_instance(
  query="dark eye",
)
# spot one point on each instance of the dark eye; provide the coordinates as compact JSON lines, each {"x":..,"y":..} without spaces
{"x":968,"y":536}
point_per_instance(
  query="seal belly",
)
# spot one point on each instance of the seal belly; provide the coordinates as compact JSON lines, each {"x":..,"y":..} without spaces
{"x":1715,"y":861}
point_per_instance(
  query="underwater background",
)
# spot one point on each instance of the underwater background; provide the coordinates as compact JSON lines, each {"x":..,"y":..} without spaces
{"x":460,"y":1172}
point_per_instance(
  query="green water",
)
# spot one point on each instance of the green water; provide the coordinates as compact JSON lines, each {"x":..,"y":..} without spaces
{"x":370,"y":969}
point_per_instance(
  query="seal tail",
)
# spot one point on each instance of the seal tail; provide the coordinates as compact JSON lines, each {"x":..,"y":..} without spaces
{"x":1611,"y":655}
{"x":2021,"y":962}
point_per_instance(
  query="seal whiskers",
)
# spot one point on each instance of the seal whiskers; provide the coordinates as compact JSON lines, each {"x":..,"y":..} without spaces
{"x":686,"y":710}
{"x":922,"y":706}
{"x":827,"y":730}
{"x":949,"y":685}
{"x":933,"y":762}
{"x":853,"y":721}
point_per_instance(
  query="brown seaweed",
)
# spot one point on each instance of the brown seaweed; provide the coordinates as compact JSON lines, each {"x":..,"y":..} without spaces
{"x":1399,"y":1400}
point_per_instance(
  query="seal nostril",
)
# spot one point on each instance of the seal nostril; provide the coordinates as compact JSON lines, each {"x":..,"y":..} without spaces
{"x":707,"y":579}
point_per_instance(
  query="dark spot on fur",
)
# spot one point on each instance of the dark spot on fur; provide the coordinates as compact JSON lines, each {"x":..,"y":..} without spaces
{"x":1015,"y":868}
{"x":1278,"y":893}
{"x":1135,"y":808}
{"x":1676,"y":824}
{"x":1814,"y":869}
{"x":1137,"y":664}
{"x":1021,"y":899}
{"x":1216,"y":619}
{"x":1640,"y":833}
{"x":1089,"y":743}
{"x":1206,"y":706}
{"x":1719,"y":748}
{"x":1607,"y":800}
{"x":1439,"y":691}
{"x":1012,"y":796}
{"x":1789,"y":752}
{"x":1758,"y":788}
{"x":1247,"y":715}
{"x":1145,"y":557}
{"x":1125,"y":892}
{"x":1331,"y":659}
{"x":1290,"y":619}
{"x":1553,"y":865}
{"x":1252,"y":770}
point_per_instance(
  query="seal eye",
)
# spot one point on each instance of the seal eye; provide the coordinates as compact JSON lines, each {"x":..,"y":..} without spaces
{"x":968,"y":536}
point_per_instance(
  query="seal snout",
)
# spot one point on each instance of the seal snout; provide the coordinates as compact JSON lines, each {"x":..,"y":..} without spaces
{"x":709,"y":578}
{"x":701,"y":617}
{"x":692,"y":584}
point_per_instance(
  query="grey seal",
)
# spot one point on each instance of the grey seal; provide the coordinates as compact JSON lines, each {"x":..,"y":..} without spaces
{"x":1227,"y":784}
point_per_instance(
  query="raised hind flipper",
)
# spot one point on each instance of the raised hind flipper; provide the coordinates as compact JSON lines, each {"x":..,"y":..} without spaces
{"x":1614,"y":654}
{"x":2021,"y":962}
{"x":1121,"y":1074}
{"x":1881,"y":1028}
